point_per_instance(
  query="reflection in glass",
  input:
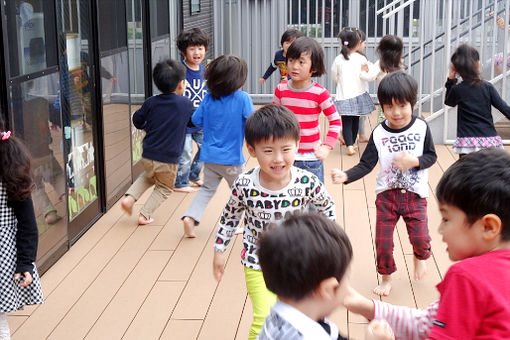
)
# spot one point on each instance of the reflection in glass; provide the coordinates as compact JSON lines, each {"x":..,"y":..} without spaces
{"x":37,"y":121}
{"x":160,"y":52}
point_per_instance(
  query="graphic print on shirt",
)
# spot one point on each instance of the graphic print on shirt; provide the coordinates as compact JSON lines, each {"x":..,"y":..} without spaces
{"x":195,"y":91}
{"x":405,"y":142}
{"x":282,"y":66}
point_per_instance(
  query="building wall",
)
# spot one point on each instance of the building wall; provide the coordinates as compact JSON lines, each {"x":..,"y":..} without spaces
{"x":204,"y":19}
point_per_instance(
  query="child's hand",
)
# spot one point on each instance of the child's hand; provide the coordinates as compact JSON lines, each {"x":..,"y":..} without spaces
{"x":338,"y":176}
{"x":25,"y":280}
{"x":218,"y":265}
{"x":453,"y":73}
{"x":404,"y":161}
{"x":379,"y":330}
{"x":364,"y":67}
{"x":262,"y":80}
{"x":322,"y":152}
{"x":341,"y":138}
{"x":357,"y":303}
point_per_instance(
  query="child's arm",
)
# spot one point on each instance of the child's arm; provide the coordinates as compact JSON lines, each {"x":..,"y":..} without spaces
{"x":27,"y":237}
{"x":405,"y":161}
{"x":379,"y":330}
{"x":366,"y":164}
{"x":272,"y":67}
{"x":335,"y":70}
{"x":450,"y":97}
{"x":498,"y":102}
{"x":197,"y":118}
{"x":374,"y":70}
{"x":140,"y":116}
{"x":335,"y":124}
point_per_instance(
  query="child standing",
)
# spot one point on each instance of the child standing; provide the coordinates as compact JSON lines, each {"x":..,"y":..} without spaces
{"x":164,"y":118}
{"x":352,"y":98}
{"x":307,"y":99}
{"x":268,"y":193}
{"x":222,"y":115}
{"x":305,"y":261}
{"x":404,"y":147}
{"x":193,"y":46}
{"x":19,"y":280}
{"x":473,"y":197}
{"x":279,"y":61}
{"x":475,"y":127}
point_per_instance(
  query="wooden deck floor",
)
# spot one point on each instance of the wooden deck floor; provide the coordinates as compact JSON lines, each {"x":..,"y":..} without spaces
{"x":121,"y":281}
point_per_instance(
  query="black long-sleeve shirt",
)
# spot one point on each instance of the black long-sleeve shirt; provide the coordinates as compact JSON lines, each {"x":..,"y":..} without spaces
{"x":27,"y":236}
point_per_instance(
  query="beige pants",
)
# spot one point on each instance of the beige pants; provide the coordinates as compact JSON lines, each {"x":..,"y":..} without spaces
{"x":162,"y":176}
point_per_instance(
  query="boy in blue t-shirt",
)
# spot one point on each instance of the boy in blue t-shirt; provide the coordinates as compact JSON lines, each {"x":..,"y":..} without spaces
{"x":164,"y":118}
{"x":193,"y":46}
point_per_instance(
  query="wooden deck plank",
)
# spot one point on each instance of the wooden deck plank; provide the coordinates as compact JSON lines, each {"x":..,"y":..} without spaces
{"x":182,"y":329}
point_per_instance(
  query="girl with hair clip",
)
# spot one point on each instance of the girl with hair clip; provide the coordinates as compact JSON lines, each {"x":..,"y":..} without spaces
{"x":390,"y":60}
{"x":19,"y":280}
{"x":222,"y":115}
{"x":474,"y":97}
{"x":352,"y":98}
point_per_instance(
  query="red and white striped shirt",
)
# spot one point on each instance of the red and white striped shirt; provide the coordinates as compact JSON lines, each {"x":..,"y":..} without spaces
{"x":307,"y":105}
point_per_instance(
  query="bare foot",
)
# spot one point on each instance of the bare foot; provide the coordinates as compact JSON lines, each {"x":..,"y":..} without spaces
{"x":385,"y":287}
{"x":198,"y":183}
{"x":239,"y":231}
{"x":52,"y":217}
{"x":186,"y":189}
{"x":350,"y":150}
{"x":420,"y":268}
{"x":362,"y":138}
{"x":189,"y":227}
{"x":143,"y":221}
{"x":127,"y":204}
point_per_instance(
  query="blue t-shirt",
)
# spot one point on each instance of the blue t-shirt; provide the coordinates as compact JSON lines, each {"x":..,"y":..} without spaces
{"x":195,"y":89}
{"x":223,"y":123}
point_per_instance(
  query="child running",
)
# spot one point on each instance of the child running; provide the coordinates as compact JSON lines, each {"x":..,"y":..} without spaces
{"x":267,"y":193}
{"x":19,"y":280}
{"x":403,"y":145}
{"x":307,"y":99}
{"x":193,"y":46}
{"x":474,"y":96}
{"x":164,"y":118}
{"x":474,"y":301}
{"x":279,"y":61}
{"x":305,"y":261}
{"x":222,"y":115}
{"x":352,"y":98}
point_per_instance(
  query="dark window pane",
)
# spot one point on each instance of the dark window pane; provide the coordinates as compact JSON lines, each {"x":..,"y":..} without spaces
{"x":159,"y":21}
{"x":112,"y":25}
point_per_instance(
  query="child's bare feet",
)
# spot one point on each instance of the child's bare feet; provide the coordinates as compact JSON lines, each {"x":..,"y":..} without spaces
{"x":143,"y":221}
{"x":186,"y":189}
{"x":197,"y":183}
{"x":385,"y":287}
{"x":127,"y":204}
{"x":420,"y":268}
{"x":239,"y":230}
{"x":52,"y":217}
{"x":189,"y":227}
{"x":350,"y":150}
{"x":362,"y":138}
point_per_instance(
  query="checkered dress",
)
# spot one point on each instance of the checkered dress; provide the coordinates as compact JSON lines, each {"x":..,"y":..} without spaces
{"x":12,"y":296}
{"x":358,"y":106}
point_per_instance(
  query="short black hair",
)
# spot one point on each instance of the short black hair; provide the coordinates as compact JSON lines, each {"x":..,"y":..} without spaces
{"x":192,"y":37}
{"x":225,"y":74}
{"x":398,"y":86}
{"x":271,"y":122}
{"x":301,"y":252}
{"x":167,"y":74}
{"x":479,"y":184}
{"x":290,"y":34}
{"x":313,"y":49}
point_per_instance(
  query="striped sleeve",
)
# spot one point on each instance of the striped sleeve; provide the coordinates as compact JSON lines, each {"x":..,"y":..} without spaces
{"x":407,"y":323}
{"x":277,"y":95}
{"x":329,"y":110}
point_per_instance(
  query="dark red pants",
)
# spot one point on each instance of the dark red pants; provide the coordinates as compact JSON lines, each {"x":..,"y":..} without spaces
{"x":391,"y":204}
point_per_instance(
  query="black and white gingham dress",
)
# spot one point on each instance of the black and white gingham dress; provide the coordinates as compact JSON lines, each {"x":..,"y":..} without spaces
{"x":12,"y":296}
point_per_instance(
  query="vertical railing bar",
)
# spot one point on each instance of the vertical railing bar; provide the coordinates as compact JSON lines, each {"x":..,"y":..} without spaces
{"x":482,"y":36}
{"x":505,"y":47}
{"x":420,"y":69}
{"x":494,"y":33}
{"x":446,"y":58}
{"x":470,"y":20}
{"x":433,"y":56}
{"x":410,"y":36}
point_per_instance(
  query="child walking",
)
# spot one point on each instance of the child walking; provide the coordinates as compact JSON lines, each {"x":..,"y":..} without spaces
{"x":473,"y":197}
{"x":268,"y":193}
{"x":307,"y":99}
{"x":474,"y":97}
{"x":352,"y":98}
{"x":222,"y":115}
{"x":19,"y":280}
{"x":279,"y":61}
{"x":193,"y":46}
{"x":305,"y":261}
{"x":164,"y":118}
{"x":404,"y":148}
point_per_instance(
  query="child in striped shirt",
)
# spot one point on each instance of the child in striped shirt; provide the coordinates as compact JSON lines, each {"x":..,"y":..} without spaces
{"x":307,"y":99}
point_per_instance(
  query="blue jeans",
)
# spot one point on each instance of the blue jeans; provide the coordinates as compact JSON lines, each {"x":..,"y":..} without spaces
{"x":315,"y":167}
{"x":189,"y":170}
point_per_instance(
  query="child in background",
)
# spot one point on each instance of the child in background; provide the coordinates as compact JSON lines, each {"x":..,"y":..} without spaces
{"x":222,"y":115}
{"x":352,"y":99}
{"x":164,"y":118}
{"x":305,"y":261}
{"x":474,"y":96}
{"x":362,"y":134}
{"x":19,"y":280}
{"x":474,"y":301}
{"x":307,"y":99}
{"x":279,"y":62}
{"x":390,"y":50}
{"x":268,"y":193}
{"x":403,"y":145}
{"x":193,"y":46}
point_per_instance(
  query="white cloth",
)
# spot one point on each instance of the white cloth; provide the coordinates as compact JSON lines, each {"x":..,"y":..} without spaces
{"x":350,"y":82}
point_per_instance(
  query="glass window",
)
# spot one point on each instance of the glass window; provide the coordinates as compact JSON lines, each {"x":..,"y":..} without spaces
{"x":159,"y":18}
{"x":112,"y":25}
{"x":195,"y":6}
{"x":31,"y":35}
